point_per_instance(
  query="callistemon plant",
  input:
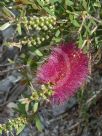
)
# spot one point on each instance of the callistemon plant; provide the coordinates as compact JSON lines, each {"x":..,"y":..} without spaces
{"x":66,"y":69}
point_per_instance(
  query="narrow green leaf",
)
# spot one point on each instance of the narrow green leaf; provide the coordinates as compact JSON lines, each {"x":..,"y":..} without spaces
{"x":80,"y":41}
{"x":38,"y":123}
{"x":40,"y":3}
{"x":75,"y":23}
{"x":69,"y":2}
{"x":5,"y":26}
{"x":97,"y":4}
{"x":48,"y":11}
{"x":35,"y":107}
{"x":45,"y":8}
{"x":71,"y":17}
{"x":7,"y":13}
{"x":0,"y":131}
{"x":21,"y":108}
{"x":85,"y":4}
{"x":57,"y":33}
{"x":38,"y":52}
{"x":27,"y":107}
{"x":2,"y":4}
{"x":53,"y":1}
{"x":19,"y":28}
{"x":20,"y":129}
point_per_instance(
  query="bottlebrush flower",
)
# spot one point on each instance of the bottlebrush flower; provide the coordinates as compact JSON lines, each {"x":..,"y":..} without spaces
{"x":66,"y":69}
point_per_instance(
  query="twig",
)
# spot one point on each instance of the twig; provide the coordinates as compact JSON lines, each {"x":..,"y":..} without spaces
{"x":97,"y":20}
{"x":18,"y":90}
{"x":11,"y":69}
{"x":74,"y":126}
{"x":94,"y":97}
{"x":82,"y":24}
{"x":5,"y":65}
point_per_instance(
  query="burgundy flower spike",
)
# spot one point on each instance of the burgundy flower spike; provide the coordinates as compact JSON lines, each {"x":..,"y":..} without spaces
{"x":66,"y":68}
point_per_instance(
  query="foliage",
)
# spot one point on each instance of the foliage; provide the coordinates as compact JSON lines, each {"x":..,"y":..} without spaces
{"x":40,"y":24}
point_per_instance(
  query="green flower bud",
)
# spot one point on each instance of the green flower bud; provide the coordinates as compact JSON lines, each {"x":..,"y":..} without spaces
{"x":29,"y":42}
{"x":42,"y":1}
{"x":34,"y":43}
{"x":47,"y":37}
{"x":52,"y":7}
{"x":37,"y":21}
{"x":51,"y":26}
{"x":54,"y":18}
{"x":42,"y":19}
{"x":47,"y":22}
{"x":47,"y":1}
{"x":29,"y":27}
{"x":31,"y":22}
{"x":38,"y":38}
{"x":25,"y":37}
{"x":23,"y":42}
{"x":34,"y":25}
{"x":42,"y":24}
{"x":45,"y":28}
{"x":42,"y":39}
{"x":38,"y":28}
{"x":39,"y":42}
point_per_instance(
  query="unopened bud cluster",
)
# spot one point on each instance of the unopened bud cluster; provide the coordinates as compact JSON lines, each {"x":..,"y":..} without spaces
{"x":34,"y":40}
{"x":44,"y":94}
{"x":43,"y":26}
{"x":50,"y":5}
{"x":39,"y":23}
{"x":13,"y":124}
